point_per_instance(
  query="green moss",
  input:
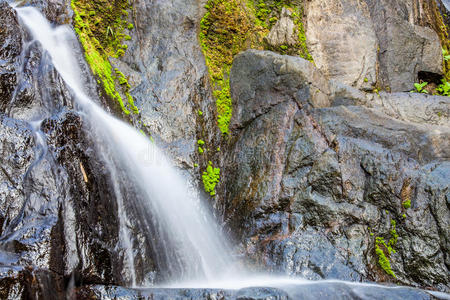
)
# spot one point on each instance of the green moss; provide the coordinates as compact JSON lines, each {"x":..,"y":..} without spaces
{"x":200,"y":113}
{"x":394,"y":236}
{"x":101,"y":35}
{"x":200,"y":150}
{"x":223,"y":32}
{"x":382,"y":259}
{"x":200,"y":142}
{"x":231,"y":26}
{"x":407,"y":204}
{"x":383,"y":250}
{"x":210,"y":179}
{"x":223,"y":104}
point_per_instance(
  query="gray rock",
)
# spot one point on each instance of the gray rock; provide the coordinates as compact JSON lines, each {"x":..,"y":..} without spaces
{"x":168,"y":73}
{"x":405,"y":48}
{"x":373,"y":43}
{"x":307,"y":181}
{"x":305,"y":290}
{"x":284,"y":30}
{"x":342,"y":41}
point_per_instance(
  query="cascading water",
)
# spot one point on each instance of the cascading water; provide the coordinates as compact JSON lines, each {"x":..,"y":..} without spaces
{"x":189,"y":247}
{"x":194,"y":248}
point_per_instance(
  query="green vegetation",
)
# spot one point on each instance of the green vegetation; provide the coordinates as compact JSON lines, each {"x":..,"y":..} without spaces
{"x":210,"y":179}
{"x":231,"y":26}
{"x":382,"y":259}
{"x":420,"y":87}
{"x":383,"y":250}
{"x":444,"y":88}
{"x":100,"y":26}
{"x":223,"y":32}
{"x":407,"y":204}
{"x":446,"y":55}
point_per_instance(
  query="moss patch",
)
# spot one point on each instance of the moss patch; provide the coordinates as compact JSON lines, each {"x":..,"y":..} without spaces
{"x":232,"y":26}
{"x":101,"y":27}
{"x":210,"y":179}
{"x":383,"y":250}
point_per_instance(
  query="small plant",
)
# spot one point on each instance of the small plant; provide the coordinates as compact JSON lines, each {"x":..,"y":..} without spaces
{"x":109,"y":31}
{"x":444,"y":88}
{"x":420,"y":87}
{"x":445,"y":54}
{"x":200,"y":113}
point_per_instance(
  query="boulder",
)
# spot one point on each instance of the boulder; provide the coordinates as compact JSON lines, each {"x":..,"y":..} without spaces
{"x":309,"y":188}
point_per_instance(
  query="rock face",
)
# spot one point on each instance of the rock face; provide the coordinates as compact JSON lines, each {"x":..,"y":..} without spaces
{"x":383,"y":44}
{"x":342,"y":41}
{"x":310,"y":188}
{"x":167,"y":73}
{"x":283,"y":32}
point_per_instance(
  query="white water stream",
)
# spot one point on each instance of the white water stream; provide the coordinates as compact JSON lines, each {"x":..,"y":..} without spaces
{"x":202,"y":251}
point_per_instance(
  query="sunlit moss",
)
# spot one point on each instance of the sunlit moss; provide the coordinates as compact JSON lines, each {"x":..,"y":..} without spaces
{"x":100,"y":26}
{"x":231,"y":26}
{"x":383,"y":250}
{"x":210,"y":179}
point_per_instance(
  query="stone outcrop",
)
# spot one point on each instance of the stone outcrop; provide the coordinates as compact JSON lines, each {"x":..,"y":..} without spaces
{"x":284,"y":31}
{"x":309,"y":188}
{"x":375,"y":44}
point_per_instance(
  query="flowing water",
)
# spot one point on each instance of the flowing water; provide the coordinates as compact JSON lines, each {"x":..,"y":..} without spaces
{"x":184,"y":225}
{"x":190,"y":246}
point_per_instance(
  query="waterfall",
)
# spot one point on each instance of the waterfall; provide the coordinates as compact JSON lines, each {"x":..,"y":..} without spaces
{"x":184,"y":225}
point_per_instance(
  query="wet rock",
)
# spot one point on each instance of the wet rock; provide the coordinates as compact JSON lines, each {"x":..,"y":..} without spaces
{"x":305,"y":290}
{"x":58,"y":211}
{"x":168,"y":73}
{"x":307,"y":181}
{"x":11,"y":45}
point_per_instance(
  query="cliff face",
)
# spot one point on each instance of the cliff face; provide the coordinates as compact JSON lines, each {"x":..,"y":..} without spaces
{"x":352,"y":188}
{"x":324,"y":173}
